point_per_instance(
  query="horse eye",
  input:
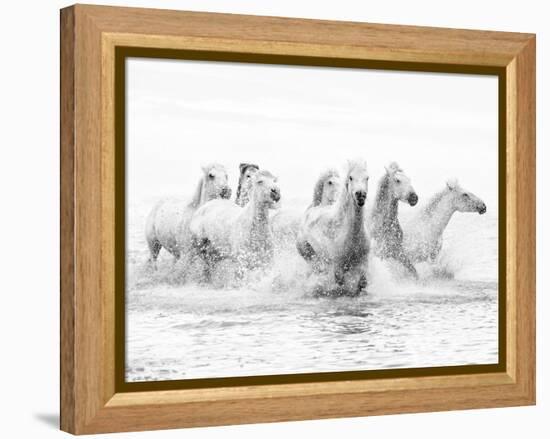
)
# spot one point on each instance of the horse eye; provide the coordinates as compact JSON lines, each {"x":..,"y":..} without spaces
{"x":260,"y":182}
{"x":465,"y":195}
{"x":210,"y":175}
{"x":350,"y":178}
{"x":330,"y":183}
{"x":397,"y":180}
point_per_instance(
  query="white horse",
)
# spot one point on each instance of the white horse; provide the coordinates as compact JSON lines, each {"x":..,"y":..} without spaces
{"x":285,"y":223}
{"x":168,"y":222}
{"x":422,"y":235}
{"x":384,"y":225}
{"x":327,"y":188}
{"x":221,"y":229}
{"x":246,"y":171}
{"x":333,"y":238}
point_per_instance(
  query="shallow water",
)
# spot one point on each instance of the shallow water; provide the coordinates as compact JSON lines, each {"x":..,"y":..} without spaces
{"x":272,"y":326}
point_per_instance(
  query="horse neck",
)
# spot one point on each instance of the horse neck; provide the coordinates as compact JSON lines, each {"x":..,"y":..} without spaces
{"x":357,"y":223}
{"x":318,"y":193}
{"x":347,"y":211}
{"x":240,"y":197}
{"x":386,"y":205}
{"x":257,"y":214}
{"x":441,"y":214}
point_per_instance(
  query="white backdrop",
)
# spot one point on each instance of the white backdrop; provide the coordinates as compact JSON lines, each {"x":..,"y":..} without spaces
{"x":297,"y":121}
{"x":29,"y":170}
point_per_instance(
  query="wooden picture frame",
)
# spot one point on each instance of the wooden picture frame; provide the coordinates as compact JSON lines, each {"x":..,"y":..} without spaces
{"x":93,"y":399}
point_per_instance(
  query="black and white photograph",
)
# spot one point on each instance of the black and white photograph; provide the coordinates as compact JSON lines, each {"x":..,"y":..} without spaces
{"x":275,"y":219}
{"x":290,"y":219}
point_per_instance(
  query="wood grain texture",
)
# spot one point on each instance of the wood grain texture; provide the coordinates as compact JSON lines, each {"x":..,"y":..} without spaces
{"x":273,"y":34}
{"x":511,"y":224}
{"x":90,"y":318}
{"x":67,"y":232}
{"x":525,"y":254}
{"x":89,"y":36}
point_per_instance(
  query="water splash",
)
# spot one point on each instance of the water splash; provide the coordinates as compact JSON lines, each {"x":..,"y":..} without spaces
{"x":180,"y":326}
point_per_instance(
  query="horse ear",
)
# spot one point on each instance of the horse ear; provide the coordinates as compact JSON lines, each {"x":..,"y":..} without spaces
{"x":452,"y":184}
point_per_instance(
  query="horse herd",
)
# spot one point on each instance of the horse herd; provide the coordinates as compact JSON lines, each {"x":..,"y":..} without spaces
{"x":335,"y":235}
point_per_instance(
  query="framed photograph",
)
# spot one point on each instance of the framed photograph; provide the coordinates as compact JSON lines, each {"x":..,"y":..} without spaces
{"x":268,"y":219}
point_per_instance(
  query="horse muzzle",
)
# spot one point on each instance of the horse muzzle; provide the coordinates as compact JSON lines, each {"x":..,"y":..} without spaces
{"x":275,"y":194}
{"x":225,"y":193}
{"x":413,"y":199}
{"x":360,"y":197}
{"x":482,"y":209}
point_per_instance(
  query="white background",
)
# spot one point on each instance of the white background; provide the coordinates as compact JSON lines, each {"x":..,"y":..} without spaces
{"x":297,"y":121}
{"x":29,"y":182}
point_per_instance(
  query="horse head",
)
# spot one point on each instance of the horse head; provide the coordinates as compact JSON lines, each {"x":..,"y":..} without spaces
{"x":215,"y":182}
{"x":265,"y":189}
{"x":327,"y":188}
{"x":464,"y":201}
{"x":246,"y":171}
{"x":357,"y":182}
{"x":399,"y":185}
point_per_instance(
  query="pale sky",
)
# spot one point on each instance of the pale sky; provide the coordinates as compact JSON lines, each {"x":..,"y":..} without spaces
{"x":297,"y":121}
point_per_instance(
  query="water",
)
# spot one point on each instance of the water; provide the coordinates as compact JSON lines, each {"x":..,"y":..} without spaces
{"x":272,"y":326}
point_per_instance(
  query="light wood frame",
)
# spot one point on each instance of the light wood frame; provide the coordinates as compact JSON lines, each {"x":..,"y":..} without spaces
{"x":90,"y":35}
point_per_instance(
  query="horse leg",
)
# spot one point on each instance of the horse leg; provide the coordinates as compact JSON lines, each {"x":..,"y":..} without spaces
{"x":436,"y":250}
{"x":151,"y":236}
{"x":305,"y":249}
{"x":339,"y":273}
{"x":349,"y":287}
{"x":406,"y":262}
{"x":362,"y":284}
{"x":177,"y":255}
{"x":206,"y":254}
{"x":154,"y":250}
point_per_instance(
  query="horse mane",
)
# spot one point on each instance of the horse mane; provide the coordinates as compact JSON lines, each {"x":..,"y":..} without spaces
{"x":383,"y":185}
{"x":434,"y":201}
{"x":356,"y":163}
{"x":393,"y":168}
{"x":243,"y":167}
{"x":318,"y":188}
{"x":264,"y":173}
{"x":451,"y":185}
{"x":196,"y":200}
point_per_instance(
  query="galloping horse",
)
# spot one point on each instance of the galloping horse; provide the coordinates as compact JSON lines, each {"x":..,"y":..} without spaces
{"x":246,"y":171}
{"x":286,"y":222}
{"x":422,"y":235}
{"x":333,"y":237}
{"x":221,"y":229}
{"x":327,"y":188}
{"x":168,"y":222}
{"x":385,"y":229}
